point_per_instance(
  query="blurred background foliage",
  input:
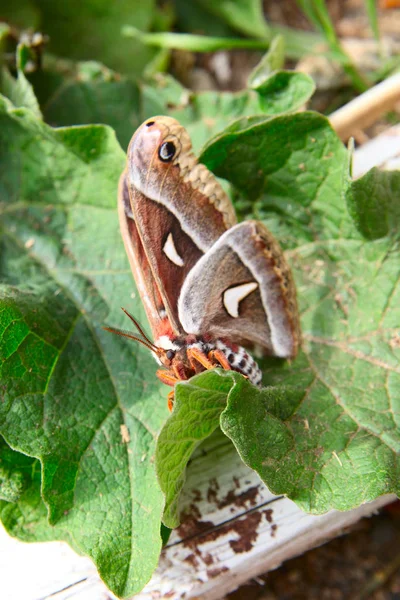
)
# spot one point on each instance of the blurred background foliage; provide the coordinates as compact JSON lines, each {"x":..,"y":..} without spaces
{"x":96,"y":61}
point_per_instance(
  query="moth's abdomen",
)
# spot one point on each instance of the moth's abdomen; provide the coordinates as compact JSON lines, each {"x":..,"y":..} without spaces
{"x":241,"y":361}
{"x":237,"y":356}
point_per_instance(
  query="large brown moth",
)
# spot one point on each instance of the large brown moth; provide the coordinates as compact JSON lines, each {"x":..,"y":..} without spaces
{"x":209,"y":285}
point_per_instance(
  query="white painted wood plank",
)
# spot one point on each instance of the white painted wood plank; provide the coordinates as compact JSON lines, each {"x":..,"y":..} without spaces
{"x":235,"y":529}
{"x":383,"y":152}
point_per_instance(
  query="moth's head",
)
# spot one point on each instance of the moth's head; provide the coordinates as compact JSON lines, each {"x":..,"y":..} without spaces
{"x":168,"y":351}
{"x":155,"y":148}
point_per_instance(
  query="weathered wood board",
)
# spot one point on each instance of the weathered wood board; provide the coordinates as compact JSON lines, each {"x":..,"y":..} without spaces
{"x":233,"y":527}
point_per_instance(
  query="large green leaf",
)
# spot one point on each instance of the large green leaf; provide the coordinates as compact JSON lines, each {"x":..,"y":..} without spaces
{"x":68,"y":386}
{"x":325,"y":431}
{"x":293,"y":167}
{"x":373,"y":202}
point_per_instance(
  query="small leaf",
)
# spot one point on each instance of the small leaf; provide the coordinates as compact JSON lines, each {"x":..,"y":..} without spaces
{"x":19,"y":90}
{"x":244,"y":15}
{"x":373,"y":202}
{"x":272,"y":61}
{"x":197,"y":408}
{"x":285,"y":91}
{"x":279,"y":91}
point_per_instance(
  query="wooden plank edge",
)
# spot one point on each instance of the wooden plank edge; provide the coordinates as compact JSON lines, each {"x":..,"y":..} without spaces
{"x":218,"y":572}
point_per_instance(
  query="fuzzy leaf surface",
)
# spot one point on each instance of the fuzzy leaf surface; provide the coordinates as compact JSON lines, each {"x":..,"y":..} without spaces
{"x":68,"y":386}
{"x":197,"y":409}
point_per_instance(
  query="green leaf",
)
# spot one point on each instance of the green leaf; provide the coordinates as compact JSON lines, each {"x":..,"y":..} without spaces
{"x":293,"y":168}
{"x":373,"y":202}
{"x":244,"y":15}
{"x":194,"y":18}
{"x":87,"y":30}
{"x":114,"y":103}
{"x":67,"y":385}
{"x":191,"y":42}
{"x":279,"y":91}
{"x":285,"y":91}
{"x":197,"y":408}
{"x":19,"y":90}
{"x":323,"y":432}
{"x":272,"y":61}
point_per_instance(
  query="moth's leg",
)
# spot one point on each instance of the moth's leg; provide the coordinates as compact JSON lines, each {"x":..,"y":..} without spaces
{"x":167,"y":377}
{"x":171,"y":398}
{"x":219,"y":357}
{"x":171,"y":379}
{"x":195,"y":355}
{"x":179,"y":370}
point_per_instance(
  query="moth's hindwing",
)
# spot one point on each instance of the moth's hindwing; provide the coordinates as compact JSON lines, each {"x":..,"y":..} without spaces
{"x":242,"y":289}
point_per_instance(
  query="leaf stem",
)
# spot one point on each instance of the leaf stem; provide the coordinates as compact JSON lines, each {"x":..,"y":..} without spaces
{"x":193,"y":43}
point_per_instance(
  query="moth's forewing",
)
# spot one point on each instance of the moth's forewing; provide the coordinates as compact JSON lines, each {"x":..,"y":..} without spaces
{"x":142,"y":273}
{"x":178,"y":206}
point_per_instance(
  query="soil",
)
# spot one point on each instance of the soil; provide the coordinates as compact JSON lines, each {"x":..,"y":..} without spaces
{"x":363,"y":564}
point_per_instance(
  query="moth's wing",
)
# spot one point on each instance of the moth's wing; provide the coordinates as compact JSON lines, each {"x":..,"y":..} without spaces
{"x":172,"y":240}
{"x":145,"y":282}
{"x":179,"y":207}
{"x":242,"y":289}
{"x":170,"y":253}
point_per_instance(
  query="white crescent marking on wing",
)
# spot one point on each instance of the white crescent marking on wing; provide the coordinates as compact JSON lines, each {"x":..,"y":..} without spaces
{"x":170,"y":251}
{"x":233,"y":296}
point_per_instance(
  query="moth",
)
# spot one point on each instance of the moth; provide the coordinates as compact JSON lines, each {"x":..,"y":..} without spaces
{"x":210,"y":287}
